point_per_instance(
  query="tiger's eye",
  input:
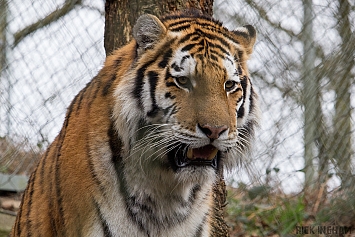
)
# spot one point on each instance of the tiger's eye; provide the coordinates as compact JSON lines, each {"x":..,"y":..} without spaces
{"x":182,"y":80}
{"x":229,"y":85}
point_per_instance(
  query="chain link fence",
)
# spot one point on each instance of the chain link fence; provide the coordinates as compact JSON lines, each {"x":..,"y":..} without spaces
{"x":302,"y":68}
{"x":51,"y":49}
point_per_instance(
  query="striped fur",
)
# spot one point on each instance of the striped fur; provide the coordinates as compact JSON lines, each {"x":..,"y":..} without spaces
{"x":118,"y":167}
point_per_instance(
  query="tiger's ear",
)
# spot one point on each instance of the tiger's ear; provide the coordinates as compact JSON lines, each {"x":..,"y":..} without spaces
{"x":147,"y":31}
{"x":246,"y":36}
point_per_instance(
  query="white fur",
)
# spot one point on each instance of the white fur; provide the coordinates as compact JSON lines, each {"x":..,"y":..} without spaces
{"x":143,"y":178}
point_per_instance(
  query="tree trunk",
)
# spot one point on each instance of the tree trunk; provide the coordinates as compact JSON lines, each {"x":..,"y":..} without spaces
{"x":119,"y":19}
{"x":310,"y":100}
{"x":3,"y":41}
{"x":120,"y":16}
{"x":3,"y":63}
{"x":342,"y":151}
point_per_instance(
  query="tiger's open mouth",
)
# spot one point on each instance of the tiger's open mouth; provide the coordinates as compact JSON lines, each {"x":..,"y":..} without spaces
{"x":182,"y":156}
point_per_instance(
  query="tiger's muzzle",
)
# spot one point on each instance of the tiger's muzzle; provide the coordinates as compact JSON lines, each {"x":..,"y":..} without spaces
{"x":183,"y":156}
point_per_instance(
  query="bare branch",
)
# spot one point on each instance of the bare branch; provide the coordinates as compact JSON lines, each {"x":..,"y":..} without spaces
{"x":263,"y":15}
{"x":287,"y":91}
{"x":95,"y":9}
{"x":52,"y":17}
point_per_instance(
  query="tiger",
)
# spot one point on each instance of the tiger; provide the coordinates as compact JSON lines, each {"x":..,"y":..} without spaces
{"x":143,"y":141}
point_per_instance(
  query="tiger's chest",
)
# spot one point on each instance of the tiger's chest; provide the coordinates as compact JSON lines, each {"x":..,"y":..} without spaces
{"x":143,"y":203}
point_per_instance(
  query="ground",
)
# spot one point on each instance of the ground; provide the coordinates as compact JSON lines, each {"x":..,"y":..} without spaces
{"x":9,"y":204}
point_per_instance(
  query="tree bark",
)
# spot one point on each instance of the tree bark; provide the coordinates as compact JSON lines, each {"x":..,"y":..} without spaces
{"x":120,"y":17}
{"x":3,"y":40}
{"x":342,"y":83}
{"x":310,"y":100}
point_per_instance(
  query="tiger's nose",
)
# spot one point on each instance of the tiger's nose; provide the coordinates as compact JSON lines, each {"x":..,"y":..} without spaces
{"x":212,"y":132}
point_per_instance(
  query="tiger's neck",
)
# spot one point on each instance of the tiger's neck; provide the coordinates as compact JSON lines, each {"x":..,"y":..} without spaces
{"x":156,"y":199}
{"x":159,"y":203}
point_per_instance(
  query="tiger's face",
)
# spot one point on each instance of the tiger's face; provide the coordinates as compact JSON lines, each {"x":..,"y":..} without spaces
{"x":196,"y":106}
{"x":202,"y":98}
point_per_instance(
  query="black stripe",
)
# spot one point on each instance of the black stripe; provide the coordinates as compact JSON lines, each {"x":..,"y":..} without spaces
{"x":189,"y":37}
{"x":108,"y":84}
{"x":240,"y":98}
{"x":214,"y":37}
{"x":200,"y":227}
{"x":236,"y":90}
{"x":210,"y":24}
{"x":179,"y":22}
{"x":105,"y":227}
{"x":58,"y":190}
{"x":176,"y":67}
{"x":201,"y":57}
{"x":172,"y":111}
{"x":240,"y":55}
{"x":188,"y":47}
{"x":118,"y":62}
{"x":195,"y":18}
{"x":92,"y":169}
{"x":244,"y":83}
{"x":214,"y":57}
{"x":153,"y":80}
{"x":166,"y":58}
{"x":195,"y":190}
{"x":203,"y":43}
{"x":117,"y":65}
{"x":251,"y":98}
{"x":240,"y":71}
{"x":78,"y":98}
{"x":139,"y":81}
{"x":29,"y":203}
{"x":236,"y":58}
{"x":217,"y":54}
{"x":51,"y":187}
{"x":97,"y":86}
{"x":115,"y":146}
{"x":168,"y":95}
{"x":240,"y":112}
{"x":180,"y":28}
{"x":169,"y":84}
{"x":167,"y":109}
{"x":167,"y":75}
{"x":184,"y":58}
{"x":243,"y":34}
{"x":42,"y":164}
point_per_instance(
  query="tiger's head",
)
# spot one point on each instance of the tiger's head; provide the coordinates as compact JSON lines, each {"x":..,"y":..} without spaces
{"x":187,"y":103}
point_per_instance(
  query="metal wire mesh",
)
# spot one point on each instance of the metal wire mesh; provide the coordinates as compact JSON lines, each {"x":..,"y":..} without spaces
{"x":51,"y":49}
{"x":302,"y":68}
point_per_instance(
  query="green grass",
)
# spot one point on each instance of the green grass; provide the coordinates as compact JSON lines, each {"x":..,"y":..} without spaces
{"x":260,"y":212}
{"x":4,"y":233}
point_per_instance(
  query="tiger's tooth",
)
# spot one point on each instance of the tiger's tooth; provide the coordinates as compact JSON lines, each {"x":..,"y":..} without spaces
{"x":189,"y":153}
{"x":213,"y":154}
